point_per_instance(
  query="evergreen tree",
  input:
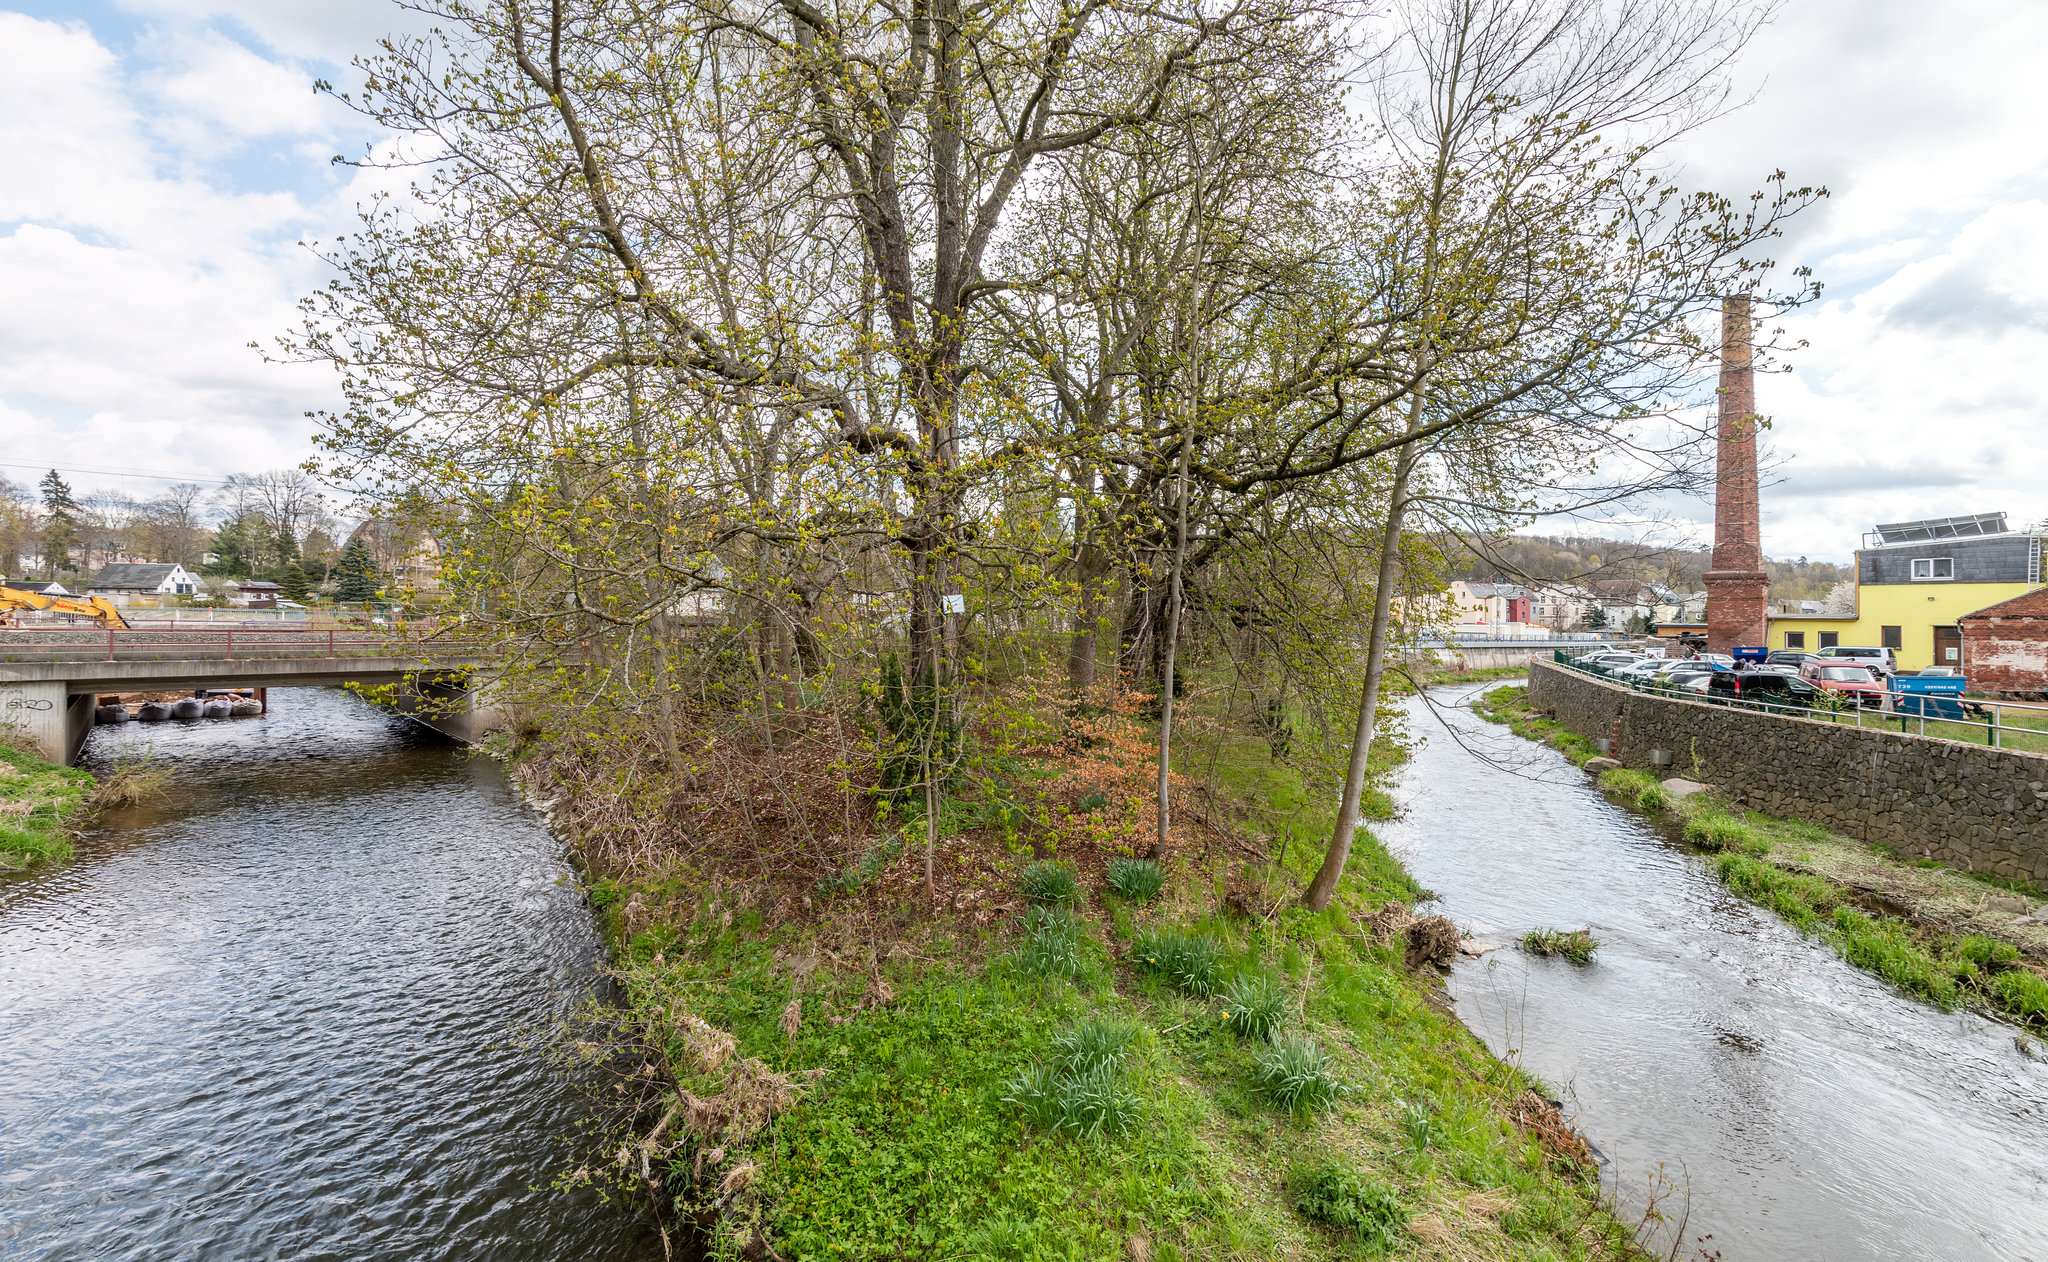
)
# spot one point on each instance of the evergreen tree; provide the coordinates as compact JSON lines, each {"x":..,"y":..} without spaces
{"x":1595,"y":618}
{"x":60,"y":523}
{"x":356,"y":574}
{"x":293,"y":584}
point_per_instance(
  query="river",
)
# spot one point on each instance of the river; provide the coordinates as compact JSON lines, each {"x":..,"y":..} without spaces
{"x":1797,"y":1107}
{"x":272,"y":1015}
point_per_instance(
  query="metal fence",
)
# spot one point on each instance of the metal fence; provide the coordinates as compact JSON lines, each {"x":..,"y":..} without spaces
{"x":2013,"y":725}
{"x":224,"y":644}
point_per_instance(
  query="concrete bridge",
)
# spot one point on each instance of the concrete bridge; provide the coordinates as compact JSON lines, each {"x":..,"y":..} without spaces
{"x":49,"y":679}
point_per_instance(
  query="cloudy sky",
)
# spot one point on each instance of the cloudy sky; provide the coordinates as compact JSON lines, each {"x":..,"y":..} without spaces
{"x":160,"y":161}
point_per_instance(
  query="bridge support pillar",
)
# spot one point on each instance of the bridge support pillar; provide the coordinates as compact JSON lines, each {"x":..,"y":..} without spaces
{"x":46,"y":717}
{"x":455,"y":707}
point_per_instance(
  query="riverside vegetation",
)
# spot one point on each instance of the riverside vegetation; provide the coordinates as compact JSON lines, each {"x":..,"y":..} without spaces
{"x":1093,"y":1055}
{"x":42,"y":805}
{"x":1952,"y":939}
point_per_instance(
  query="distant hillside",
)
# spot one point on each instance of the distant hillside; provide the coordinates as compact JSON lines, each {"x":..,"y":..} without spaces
{"x":1586,"y":559}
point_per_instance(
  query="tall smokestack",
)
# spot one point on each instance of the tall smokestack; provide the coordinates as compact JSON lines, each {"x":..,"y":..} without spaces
{"x":1737,"y":588}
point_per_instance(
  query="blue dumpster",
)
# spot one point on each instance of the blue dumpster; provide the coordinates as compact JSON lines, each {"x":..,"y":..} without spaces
{"x":1755,"y":654}
{"x":1929,"y":696}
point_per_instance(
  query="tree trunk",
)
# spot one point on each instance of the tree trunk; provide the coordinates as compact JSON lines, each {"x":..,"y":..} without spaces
{"x":1324,"y":887}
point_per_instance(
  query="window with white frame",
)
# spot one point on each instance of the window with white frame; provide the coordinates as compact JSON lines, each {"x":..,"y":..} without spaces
{"x":1933,"y":567}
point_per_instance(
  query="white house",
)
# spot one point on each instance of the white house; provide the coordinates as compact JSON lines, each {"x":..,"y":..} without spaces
{"x":124,"y":581}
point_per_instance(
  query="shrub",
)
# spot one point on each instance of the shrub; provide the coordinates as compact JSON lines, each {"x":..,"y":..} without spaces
{"x":1336,"y":1197}
{"x":1296,"y":1074}
{"x":1254,"y":1005}
{"x":1136,"y":879}
{"x":1576,"y":945}
{"x":1186,"y":960}
{"x":1048,"y":882}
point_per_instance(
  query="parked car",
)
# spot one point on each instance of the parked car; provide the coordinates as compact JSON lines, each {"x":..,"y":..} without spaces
{"x":1762,"y":687}
{"x":1608,"y":663}
{"x":1689,"y":680}
{"x":1859,"y":683}
{"x":1880,"y":661}
{"x":1788,"y":657}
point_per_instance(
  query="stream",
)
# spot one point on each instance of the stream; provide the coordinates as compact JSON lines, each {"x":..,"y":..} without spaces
{"x":1777,"y":1102}
{"x":272,"y":1015}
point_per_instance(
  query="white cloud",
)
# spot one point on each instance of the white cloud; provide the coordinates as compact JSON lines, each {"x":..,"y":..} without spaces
{"x":135,"y":273}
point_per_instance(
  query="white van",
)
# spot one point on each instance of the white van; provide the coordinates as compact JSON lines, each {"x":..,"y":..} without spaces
{"x":1882,"y":661}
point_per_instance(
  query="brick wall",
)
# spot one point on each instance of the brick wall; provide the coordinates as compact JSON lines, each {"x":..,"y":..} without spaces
{"x":1966,"y":806}
{"x":2005,"y":647}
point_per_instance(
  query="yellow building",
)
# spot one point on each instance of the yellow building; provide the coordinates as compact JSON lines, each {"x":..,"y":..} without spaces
{"x":1914,"y":580}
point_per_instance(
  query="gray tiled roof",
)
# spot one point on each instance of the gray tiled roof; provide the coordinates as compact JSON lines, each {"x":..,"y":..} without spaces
{"x":148,"y":575}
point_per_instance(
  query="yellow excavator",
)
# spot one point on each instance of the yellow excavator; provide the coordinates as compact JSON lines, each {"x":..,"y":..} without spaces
{"x":13,"y":600}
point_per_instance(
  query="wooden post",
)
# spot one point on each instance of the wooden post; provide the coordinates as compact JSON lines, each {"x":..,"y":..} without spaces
{"x":263,"y":698}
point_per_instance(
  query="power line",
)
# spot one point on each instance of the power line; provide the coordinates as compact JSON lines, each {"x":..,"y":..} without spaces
{"x":82,"y":471}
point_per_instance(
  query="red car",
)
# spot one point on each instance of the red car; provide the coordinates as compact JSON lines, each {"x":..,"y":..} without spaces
{"x":1857,"y":682}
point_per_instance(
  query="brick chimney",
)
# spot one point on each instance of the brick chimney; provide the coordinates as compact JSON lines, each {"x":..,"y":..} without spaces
{"x":1737,"y":587}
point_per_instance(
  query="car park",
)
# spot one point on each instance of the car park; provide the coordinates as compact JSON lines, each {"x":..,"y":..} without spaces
{"x":1758,"y":687}
{"x":1880,"y":661}
{"x":1859,"y":683}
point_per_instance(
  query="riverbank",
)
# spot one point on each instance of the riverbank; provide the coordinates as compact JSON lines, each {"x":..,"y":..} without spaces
{"x":1950,"y":938}
{"x":850,"y":1076}
{"x":41,"y":805}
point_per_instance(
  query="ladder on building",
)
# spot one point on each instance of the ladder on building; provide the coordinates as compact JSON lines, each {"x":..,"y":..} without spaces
{"x":2034,"y":563}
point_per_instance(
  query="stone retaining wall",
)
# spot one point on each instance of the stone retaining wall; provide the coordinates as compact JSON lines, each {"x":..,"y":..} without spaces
{"x":1966,"y":806}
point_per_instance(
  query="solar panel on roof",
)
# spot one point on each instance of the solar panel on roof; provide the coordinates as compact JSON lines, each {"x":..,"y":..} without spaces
{"x":1943,"y":528}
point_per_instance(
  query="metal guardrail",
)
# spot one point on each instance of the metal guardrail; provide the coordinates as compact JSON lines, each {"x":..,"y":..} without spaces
{"x":233,"y":645}
{"x":2013,"y":725}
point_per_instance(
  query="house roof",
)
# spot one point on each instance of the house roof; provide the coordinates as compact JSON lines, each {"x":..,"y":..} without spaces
{"x":253,"y":585}
{"x":1486,"y":591}
{"x":146,"y":574}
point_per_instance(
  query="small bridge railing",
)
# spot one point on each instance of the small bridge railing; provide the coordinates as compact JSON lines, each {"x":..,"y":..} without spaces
{"x":214,"y":644}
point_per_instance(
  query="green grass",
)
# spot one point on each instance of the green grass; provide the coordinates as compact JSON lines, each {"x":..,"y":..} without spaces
{"x":1187,"y":961}
{"x":40,"y":806}
{"x":1254,"y":1005}
{"x":1576,"y":945}
{"x":1136,"y":879}
{"x":1071,"y":1082}
{"x":1048,"y":882}
{"x":1297,"y":1075}
{"x":1369,"y":1212}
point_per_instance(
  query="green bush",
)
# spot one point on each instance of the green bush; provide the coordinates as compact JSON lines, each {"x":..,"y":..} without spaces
{"x":1339,"y":1198}
{"x":1049,"y":882}
{"x":1297,"y":1074}
{"x":1136,"y":879}
{"x":1186,"y":960}
{"x":1254,"y":1005}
